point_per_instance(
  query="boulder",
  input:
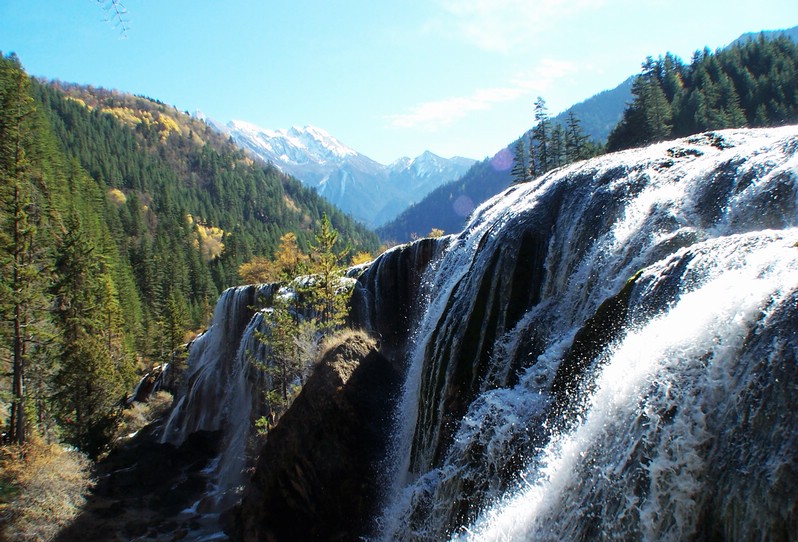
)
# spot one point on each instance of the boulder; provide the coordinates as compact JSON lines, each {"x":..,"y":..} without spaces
{"x":316,"y":476}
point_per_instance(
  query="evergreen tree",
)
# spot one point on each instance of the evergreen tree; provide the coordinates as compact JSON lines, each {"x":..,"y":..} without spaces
{"x":649,"y":117}
{"x":520,"y":171}
{"x":95,"y":370}
{"x":326,"y":295}
{"x":576,"y":142}
{"x":314,"y":306}
{"x":284,"y":365}
{"x":541,"y":135}
{"x":657,"y":112}
{"x":24,"y":212}
{"x":557,"y":146}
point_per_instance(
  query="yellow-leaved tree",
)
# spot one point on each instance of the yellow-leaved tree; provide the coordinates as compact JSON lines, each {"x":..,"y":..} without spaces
{"x":285,"y":265}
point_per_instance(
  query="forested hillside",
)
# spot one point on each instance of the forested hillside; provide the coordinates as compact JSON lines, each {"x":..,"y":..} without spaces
{"x":753,"y":83}
{"x":121,"y":220}
{"x":599,"y":114}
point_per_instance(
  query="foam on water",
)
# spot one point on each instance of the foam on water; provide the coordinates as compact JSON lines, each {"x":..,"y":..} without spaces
{"x":661,"y":387}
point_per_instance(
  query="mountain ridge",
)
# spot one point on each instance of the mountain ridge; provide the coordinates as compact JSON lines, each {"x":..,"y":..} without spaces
{"x":371,"y":192}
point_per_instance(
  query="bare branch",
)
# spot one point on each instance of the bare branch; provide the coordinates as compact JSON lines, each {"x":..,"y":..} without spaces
{"x":116,"y":14}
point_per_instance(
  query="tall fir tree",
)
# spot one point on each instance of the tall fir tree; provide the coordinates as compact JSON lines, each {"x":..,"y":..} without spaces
{"x":95,"y":370}
{"x":576,"y":141}
{"x":327,"y":265}
{"x":25,"y":208}
{"x":520,"y":171}
{"x":541,"y":135}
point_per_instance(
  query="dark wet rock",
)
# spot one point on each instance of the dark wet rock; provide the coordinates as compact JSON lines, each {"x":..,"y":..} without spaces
{"x":141,"y":486}
{"x":393,"y":282}
{"x":317,"y":474}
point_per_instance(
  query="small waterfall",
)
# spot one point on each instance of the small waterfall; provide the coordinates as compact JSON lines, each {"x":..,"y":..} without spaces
{"x":222,"y":386}
{"x":596,"y":346}
{"x":242,"y":405}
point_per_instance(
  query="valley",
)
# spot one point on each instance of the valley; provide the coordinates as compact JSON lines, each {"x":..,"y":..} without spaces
{"x":223,"y":332}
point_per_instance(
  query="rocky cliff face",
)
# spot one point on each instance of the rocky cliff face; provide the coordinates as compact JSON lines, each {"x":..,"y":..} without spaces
{"x":318,"y":473}
{"x":388,"y":294}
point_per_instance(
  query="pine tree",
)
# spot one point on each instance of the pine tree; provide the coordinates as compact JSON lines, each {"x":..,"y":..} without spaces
{"x":576,"y":147}
{"x":326,"y":265}
{"x":312,"y":306}
{"x":541,"y":135}
{"x":649,"y":117}
{"x":284,"y":365}
{"x":23,"y":210}
{"x":557,"y":146}
{"x":94,"y":369}
{"x":520,"y":171}
{"x":657,"y":112}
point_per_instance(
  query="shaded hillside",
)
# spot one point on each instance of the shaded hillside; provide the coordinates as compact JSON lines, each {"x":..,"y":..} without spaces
{"x":600,"y":113}
{"x":790,"y":33}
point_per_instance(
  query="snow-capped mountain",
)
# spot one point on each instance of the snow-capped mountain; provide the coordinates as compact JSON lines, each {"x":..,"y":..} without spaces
{"x":294,"y":146}
{"x":371,"y":192}
{"x":423,"y":173}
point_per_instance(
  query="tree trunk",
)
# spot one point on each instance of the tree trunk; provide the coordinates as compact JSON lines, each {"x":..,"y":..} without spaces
{"x":18,"y":387}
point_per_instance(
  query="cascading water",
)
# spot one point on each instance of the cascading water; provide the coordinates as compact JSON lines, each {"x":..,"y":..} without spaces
{"x":222,"y":385}
{"x":642,"y":459}
{"x":609,"y":352}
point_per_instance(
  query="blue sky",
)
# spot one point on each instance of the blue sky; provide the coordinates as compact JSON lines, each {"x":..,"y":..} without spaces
{"x":389,"y":78}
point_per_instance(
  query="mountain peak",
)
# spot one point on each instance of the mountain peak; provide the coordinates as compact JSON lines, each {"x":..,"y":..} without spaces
{"x":297,"y":145}
{"x":314,"y":136}
{"x":370,"y":191}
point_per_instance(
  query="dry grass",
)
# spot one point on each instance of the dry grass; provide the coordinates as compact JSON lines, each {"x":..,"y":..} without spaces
{"x":332,"y":342}
{"x":42,"y":488}
{"x":139,"y":415}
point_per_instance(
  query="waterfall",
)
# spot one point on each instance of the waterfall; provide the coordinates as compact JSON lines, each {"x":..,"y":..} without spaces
{"x":222,"y":387}
{"x":599,"y":347}
{"x":606,"y":352}
{"x":643,"y":457}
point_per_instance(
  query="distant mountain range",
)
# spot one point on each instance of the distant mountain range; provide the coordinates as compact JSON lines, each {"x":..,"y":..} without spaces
{"x":369,"y":191}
